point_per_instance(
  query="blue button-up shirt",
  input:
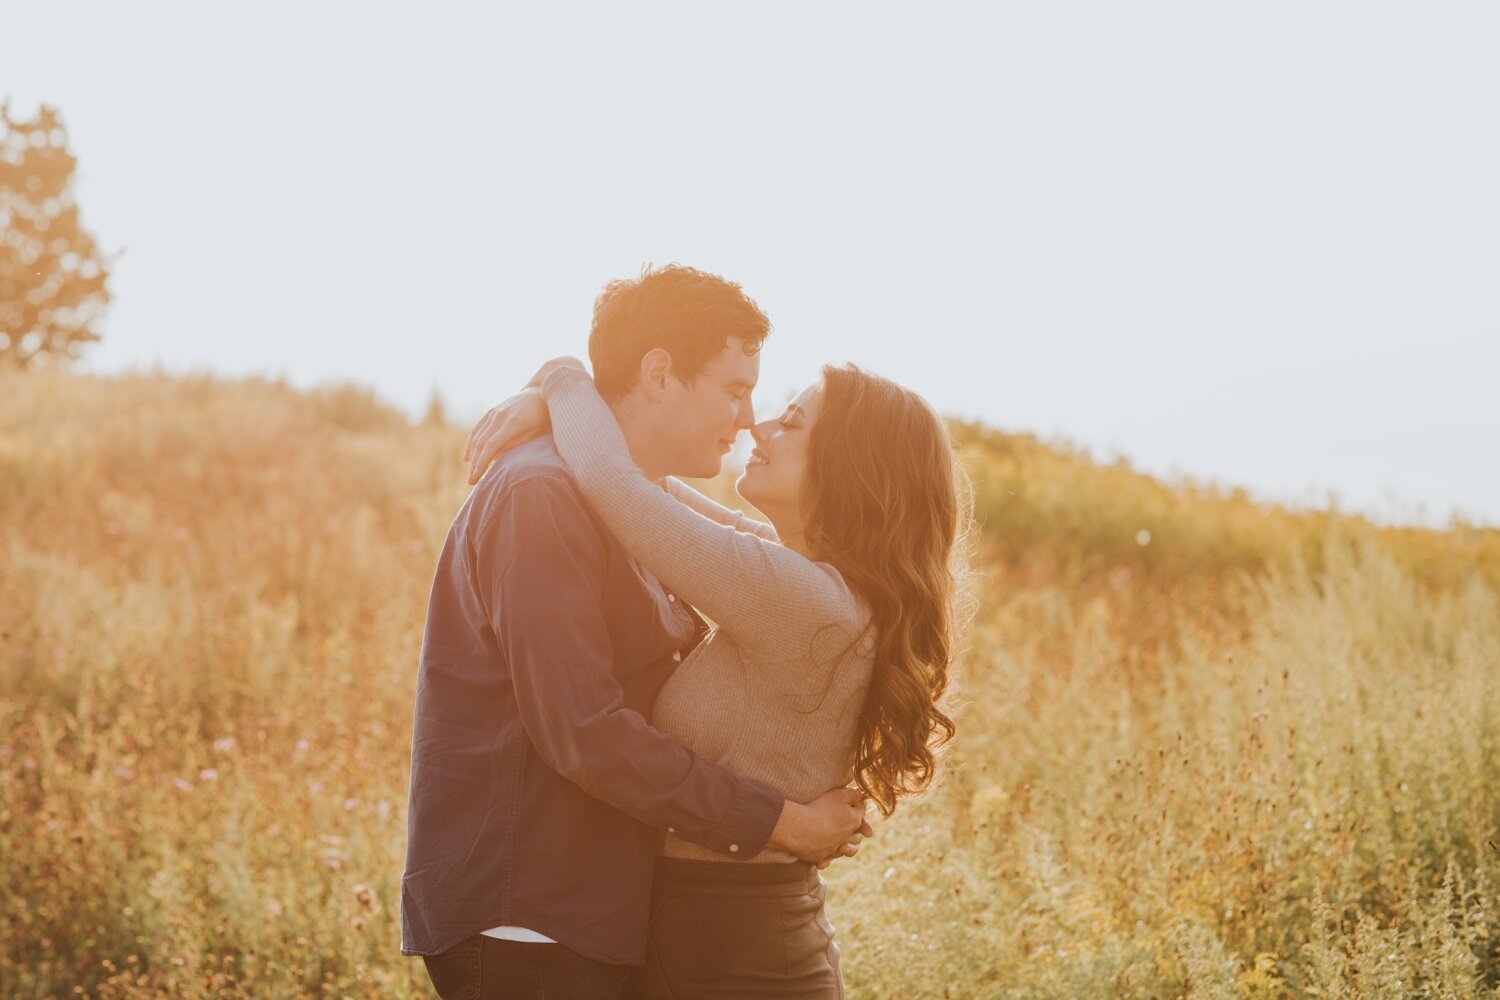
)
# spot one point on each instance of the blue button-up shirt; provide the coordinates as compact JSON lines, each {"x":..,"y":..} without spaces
{"x":537,"y":787}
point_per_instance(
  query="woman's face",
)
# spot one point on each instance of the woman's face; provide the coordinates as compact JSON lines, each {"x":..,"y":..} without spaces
{"x":773,"y":475}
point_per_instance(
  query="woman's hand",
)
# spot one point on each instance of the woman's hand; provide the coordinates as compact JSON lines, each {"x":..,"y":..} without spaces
{"x":851,"y":848}
{"x":519,"y":419}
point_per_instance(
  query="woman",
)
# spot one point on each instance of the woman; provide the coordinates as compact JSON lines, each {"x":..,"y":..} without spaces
{"x":830,"y":653}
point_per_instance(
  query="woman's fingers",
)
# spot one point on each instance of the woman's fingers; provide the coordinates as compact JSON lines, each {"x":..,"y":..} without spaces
{"x":848,"y":850}
{"x":474,"y":453}
{"x":477,"y":433}
{"x":484,"y":453}
{"x":498,"y":441}
{"x":501,"y":437}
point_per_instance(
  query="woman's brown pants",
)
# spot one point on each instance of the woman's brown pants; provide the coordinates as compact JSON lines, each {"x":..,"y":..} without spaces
{"x":738,"y":930}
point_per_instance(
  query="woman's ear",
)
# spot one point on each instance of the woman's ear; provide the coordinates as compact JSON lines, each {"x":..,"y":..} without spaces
{"x":656,"y":368}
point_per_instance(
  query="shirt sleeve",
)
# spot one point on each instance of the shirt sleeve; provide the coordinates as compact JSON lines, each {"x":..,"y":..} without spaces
{"x":717,"y":512}
{"x":542,"y":560}
{"x":769,"y":598}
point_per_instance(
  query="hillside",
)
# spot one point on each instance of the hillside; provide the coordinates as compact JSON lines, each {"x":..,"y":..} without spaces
{"x":1207,"y":747}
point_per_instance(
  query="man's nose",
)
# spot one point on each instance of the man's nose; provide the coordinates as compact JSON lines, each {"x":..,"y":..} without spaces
{"x":745,"y":419}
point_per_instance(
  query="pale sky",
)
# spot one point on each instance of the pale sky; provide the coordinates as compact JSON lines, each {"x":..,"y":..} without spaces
{"x":1255,"y":244}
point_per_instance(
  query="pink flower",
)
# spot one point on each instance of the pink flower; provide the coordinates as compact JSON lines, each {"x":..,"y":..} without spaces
{"x":182,"y":785}
{"x":225,"y":745}
{"x":209,"y":774}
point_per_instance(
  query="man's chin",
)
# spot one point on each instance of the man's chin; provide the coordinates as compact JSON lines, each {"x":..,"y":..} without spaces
{"x":706,"y":469}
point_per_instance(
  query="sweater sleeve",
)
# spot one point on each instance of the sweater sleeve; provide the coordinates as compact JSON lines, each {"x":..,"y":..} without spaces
{"x":770,"y":599}
{"x":717,"y":512}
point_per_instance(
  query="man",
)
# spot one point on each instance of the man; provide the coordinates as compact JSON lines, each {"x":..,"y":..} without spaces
{"x":538,"y":790}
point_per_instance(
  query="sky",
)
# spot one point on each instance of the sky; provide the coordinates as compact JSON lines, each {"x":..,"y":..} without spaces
{"x":1255,"y":244}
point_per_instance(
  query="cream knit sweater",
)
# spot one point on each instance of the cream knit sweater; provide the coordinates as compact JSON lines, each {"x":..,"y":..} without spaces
{"x":775,"y":691}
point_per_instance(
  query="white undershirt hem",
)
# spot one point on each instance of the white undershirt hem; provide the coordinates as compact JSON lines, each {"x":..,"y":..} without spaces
{"x":508,"y":933}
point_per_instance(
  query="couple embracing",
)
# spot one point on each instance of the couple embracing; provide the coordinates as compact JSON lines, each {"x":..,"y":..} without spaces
{"x":610,"y":796}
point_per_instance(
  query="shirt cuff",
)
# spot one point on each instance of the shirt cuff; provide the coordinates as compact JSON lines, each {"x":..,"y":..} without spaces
{"x":746,"y":827}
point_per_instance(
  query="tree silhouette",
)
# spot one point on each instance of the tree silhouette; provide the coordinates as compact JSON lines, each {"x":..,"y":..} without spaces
{"x":52,"y":275}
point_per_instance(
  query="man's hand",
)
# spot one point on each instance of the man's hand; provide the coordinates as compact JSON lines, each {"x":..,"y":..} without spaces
{"x":517,"y":420}
{"x":824,"y":828}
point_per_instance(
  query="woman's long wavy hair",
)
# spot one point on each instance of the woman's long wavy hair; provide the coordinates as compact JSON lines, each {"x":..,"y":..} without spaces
{"x":885,"y":502}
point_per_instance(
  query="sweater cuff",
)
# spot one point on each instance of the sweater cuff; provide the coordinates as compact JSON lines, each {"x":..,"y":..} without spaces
{"x":558,"y":377}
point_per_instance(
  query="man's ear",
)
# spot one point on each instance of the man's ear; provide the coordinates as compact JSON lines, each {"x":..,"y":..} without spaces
{"x":656,"y":368}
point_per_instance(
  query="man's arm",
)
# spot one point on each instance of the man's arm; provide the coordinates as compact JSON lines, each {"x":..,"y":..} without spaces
{"x":540,"y":563}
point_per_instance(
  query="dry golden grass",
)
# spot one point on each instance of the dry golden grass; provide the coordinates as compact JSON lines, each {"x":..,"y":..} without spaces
{"x":1256,"y":757}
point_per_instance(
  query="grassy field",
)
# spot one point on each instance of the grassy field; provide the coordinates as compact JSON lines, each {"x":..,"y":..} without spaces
{"x":1207,"y":748}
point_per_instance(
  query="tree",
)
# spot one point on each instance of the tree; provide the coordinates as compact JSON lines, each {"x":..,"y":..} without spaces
{"x":52,"y":275}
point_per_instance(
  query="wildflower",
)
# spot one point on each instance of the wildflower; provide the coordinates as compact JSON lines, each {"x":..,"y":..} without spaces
{"x":182,"y":785}
{"x":1143,"y":537}
{"x":209,"y":774}
{"x":349,"y":804}
{"x":302,"y":746}
{"x":224,"y":745}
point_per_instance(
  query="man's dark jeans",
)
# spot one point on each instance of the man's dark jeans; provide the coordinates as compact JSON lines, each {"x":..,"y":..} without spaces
{"x":484,"y":968}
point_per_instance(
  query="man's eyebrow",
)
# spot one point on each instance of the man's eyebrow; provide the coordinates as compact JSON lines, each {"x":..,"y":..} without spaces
{"x":739,"y":383}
